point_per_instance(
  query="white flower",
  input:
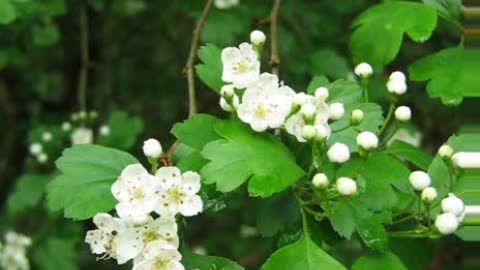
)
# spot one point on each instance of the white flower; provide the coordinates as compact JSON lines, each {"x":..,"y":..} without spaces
{"x":257,"y":37}
{"x":336,"y":111}
{"x":14,"y":254}
{"x":309,"y":132}
{"x":398,"y":87}
{"x":42,"y":158}
{"x":152,"y":148}
{"x":266,"y":104}
{"x":178,"y":192}
{"x":419,"y":180}
{"x":227,"y":91}
{"x":240,"y":65}
{"x":225,"y":4}
{"x":445,"y":151}
{"x":136,"y":192}
{"x":429,"y":194}
{"x":397,"y":75}
{"x":159,"y":255}
{"x":346,"y":186}
{"x":66,"y":126}
{"x":338,"y":153}
{"x":357,"y":116}
{"x":467,"y":160}
{"x":299,"y":99}
{"x":104,"y":238}
{"x":227,"y":107}
{"x":47,"y":136}
{"x":320,"y":180}
{"x":363,"y":70}
{"x":323,"y":132}
{"x":367,"y":140}
{"x":308,"y":112}
{"x":321,"y":94}
{"x":403,"y":113}
{"x":35,"y":148}
{"x":17,"y":239}
{"x":104,"y":130}
{"x":446,"y":223}
{"x":453,"y":204}
{"x":82,"y":136}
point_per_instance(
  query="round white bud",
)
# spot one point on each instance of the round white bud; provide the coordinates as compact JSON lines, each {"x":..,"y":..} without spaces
{"x":453,"y":204}
{"x":299,"y":99}
{"x":419,"y":180}
{"x":466,"y":160}
{"x":42,"y":158}
{"x":367,"y":140}
{"x":446,"y":223}
{"x":398,"y":87}
{"x":429,"y":194}
{"x":35,"y":148}
{"x":257,"y":37}
{"x":47,"y":136}
{"x":152,"y":148}
{"x":403,"y":113}
{"x":104,"y":130}
{"x":82,"y":114}
{"x":357,"y":116}
{"x":320,"y":180}
{"x":309,"y":132}
{"x":397,"y":75}
{"x":336,"y":111}
{"x":227,"y":107}
{"x":308,"y":112}
{"x":323,"y":132}
{"x":338,"y":153}
{"x":346,"y":186}
{"x":363,"y":70}
{"x":321,"y":93}
{"x":445,"y":151}
{"x":66,"y":126}
{"x":227,"y":91}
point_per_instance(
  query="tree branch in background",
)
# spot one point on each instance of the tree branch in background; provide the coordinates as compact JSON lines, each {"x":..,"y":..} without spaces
{"x":188,"y":70}
{"x":83,"y":73}
{"x":274,"y":56}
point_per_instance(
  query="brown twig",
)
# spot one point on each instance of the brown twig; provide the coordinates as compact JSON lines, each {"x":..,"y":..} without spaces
{"x":188,"y":70}
{"x":83,"y":73}
{"x":274,"y":55}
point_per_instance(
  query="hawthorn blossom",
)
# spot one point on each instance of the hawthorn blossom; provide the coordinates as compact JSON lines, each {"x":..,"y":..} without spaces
{"x":82,"y":136}
{"x":14,"y":255}
{"x":225,"y":4}
{"x":177,"y":192}
{"x":241,"y":66}
{"x":266,"y":104}
{"x":159,"y":255}
{"x":104,"y":240}
{"x":135,"y":190}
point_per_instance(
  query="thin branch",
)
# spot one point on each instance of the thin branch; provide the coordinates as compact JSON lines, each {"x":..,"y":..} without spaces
{"x":274,"y":55}
{"x":83,"y":73}
{"x":192,"y":104}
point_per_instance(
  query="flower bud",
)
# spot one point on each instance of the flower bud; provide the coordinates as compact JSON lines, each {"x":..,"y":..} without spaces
{"x":466,"y":160}
{"x":66,"y":126}
{"x":257,"y":37}
{"x":227,"y":91}
{"x":429,"y":194}
{"x":398,"y":87}
{"x":453,"y":204}
{"x":419,"y":180}
{"x":397,"y":75}
{"x":47,"y":136}
{"x":323,"y":132}
{"x":230,"y":107}
{"x":308,"y":112}
{"x":336,"y":111}
{"x":309,"y":132}
{"x":320,"y":181}
{"x":82,"y":115}
{"x":346,"y":186}
{"x":445,"y":151}
{"x":363,"y":70}
{"x":403,"y":114}
{"x":35,"y":148}
{"x":104,"y":130}
{"x":321,"y":93}
{"x":152,"y":148}
{"x":93,"y":114}
{"x":338,"y":153}
{"x":367,"y":140}
{"x":357,"y":116}
{"x":299,"y":99}
{"x":446,"y":223}
{"x":42,"y":158}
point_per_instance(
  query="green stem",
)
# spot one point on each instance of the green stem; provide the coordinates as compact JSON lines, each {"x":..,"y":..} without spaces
{"x":406,"y":218}
{"x":364,"y":83}
{"x":389,"y":137}
{"x":341,"y":129}
{"x":387,"y":119}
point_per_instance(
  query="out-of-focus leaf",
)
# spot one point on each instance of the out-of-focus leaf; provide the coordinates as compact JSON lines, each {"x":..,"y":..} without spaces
{"x":27,"y":193}
{"x":7,"y":12}
{"x":328,"y":62}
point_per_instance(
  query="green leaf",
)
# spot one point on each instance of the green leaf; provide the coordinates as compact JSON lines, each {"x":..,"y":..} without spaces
{"x":27,"y":193}
{"x":276,"y":213}
{"x":124,"y":130}
{"x":45,"y":35}
{"x":244,"y":154}
{"x":317,"y":81}
{"x":210,"y":70}
{"x":382,"y":173}
{"x":346,"y":92}
{"x":194,"y":261}
{"x":378,"y":32}
{"x":197,"y":131}
{"x":56,"y":254}
{"x":385,"y":260}
{"x":8,"y":13}
{"x":416,"y":254}
{"x":301,"y":255}
{"x":450,"y":9}
{"x":411,"y":153}
{"x":330,"y":63}
{"x":452,"y":74}
{"x":83,"y":188}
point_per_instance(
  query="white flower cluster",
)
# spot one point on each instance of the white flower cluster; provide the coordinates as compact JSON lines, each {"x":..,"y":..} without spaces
{"x":151,"y":243}
{"x":13,"y":256}
{"x":266,"y":102}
